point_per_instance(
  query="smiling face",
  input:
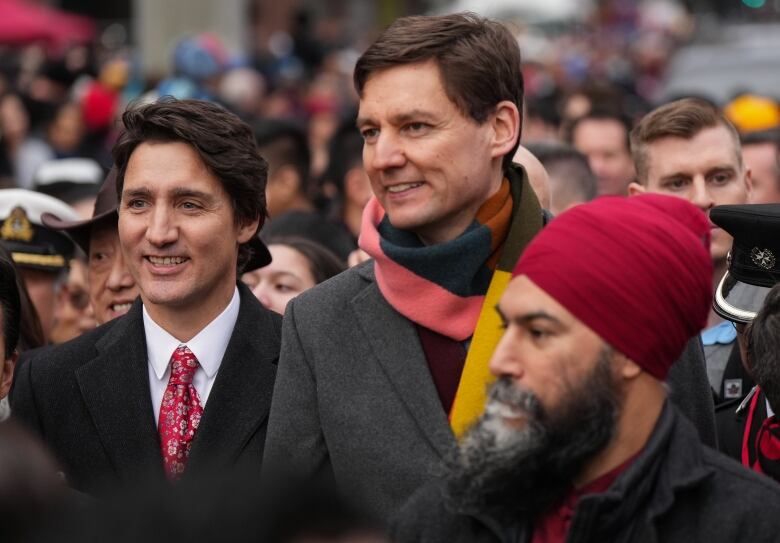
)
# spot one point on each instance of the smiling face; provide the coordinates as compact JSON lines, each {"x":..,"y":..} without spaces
{"x":288,"y":274}
{"x":431,"y":167}
{"x":112,"y":288}
{"x":178,"y":234}
{"x":705,"y":170}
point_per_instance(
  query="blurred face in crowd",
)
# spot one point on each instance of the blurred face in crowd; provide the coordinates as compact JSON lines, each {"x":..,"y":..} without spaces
{"x":179,"y":233}
{"x":288,"y":274}
{"x":431,"y":166}
{"x":553,"y":408}
{"x":706,"y":170}
{"x":41,"y":285}
{"x":73,"y":313}
{"x":605,"y":143}
{"x":112,"y":288}
{"x":8,"y":363}
{"x":761,"y":159}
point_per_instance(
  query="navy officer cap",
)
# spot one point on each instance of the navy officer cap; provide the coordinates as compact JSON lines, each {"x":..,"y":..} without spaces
{"x":754,"y":260}
{"x":31,"y":244}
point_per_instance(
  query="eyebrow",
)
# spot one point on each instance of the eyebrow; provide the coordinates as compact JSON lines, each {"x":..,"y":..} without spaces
{"x":400,"y":118}
{"x":190,"y":193}
{"x":528,"y":317}
{"x":143,"y":192}
{"x":715,"y":169}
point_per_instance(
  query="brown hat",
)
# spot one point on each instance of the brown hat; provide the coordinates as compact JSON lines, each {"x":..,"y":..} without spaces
{"x":106,"y":211}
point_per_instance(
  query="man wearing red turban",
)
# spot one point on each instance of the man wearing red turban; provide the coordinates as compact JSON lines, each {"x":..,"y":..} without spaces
{"x":579,"y":440}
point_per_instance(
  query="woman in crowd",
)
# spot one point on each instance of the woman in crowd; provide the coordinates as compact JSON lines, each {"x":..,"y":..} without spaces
{"x":298,"y":264}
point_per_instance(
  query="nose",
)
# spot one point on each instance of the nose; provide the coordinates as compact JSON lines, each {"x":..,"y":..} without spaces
{"x":119,"y":277}
{"x":505,"y":361}
{"x":701,"y":196}
{"x":385,"y":153}
{"x":161,"y":229}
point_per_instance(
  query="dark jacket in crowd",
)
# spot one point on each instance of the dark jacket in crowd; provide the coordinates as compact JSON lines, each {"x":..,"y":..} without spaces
{"x":89,"y":401}
{"x":677,"y":490}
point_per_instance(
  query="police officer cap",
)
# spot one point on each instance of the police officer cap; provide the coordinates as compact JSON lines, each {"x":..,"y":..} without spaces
{"x":754,"y":260}
{"x":31,"y":244}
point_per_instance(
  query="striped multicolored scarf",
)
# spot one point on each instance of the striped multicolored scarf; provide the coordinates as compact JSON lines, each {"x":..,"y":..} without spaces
{"x":452,"y":288}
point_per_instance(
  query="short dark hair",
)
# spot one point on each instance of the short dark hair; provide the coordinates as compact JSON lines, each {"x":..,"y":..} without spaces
{"x":10,"y":305}
{"x":763,"y":346}
{"x":284,"y":144}
{"x":681,"y":119}
{"x":223,"y":141}
{"x":479,"y":60}
{"x":566,"y":164}
{"x":601,"y":113}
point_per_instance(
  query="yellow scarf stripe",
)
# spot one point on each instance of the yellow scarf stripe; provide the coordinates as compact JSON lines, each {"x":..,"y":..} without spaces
{"x":470,"y":397}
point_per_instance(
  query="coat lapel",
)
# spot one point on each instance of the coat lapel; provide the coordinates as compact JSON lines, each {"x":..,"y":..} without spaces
{"x":240,"y":399}
{"x":397,"y":347}
{"x":115,"y":389}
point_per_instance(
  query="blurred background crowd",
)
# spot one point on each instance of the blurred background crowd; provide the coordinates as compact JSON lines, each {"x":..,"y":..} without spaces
{"x":592,"y":69}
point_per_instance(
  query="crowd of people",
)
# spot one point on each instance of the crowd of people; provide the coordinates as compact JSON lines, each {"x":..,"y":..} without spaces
{"x":431,"y":312}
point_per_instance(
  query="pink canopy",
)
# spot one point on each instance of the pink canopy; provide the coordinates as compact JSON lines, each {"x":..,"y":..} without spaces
{"x":26,"y":22}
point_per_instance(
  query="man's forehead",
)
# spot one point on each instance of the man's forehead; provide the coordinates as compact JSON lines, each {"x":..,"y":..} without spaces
{"x":710,"y":148}
{"x":522,"y":297}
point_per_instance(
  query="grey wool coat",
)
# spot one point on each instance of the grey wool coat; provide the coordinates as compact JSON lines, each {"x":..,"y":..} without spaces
{"x":354,"y":399}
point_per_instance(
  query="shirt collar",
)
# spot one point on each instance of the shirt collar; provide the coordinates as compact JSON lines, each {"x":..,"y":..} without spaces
{"x":208,"y":345}
{"x":723,"y":333}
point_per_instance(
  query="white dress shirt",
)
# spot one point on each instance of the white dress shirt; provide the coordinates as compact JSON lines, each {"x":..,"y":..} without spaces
{"x":208,"y":346}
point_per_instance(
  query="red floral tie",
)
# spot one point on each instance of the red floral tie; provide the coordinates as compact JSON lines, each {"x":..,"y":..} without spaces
{"x":180,"y":412}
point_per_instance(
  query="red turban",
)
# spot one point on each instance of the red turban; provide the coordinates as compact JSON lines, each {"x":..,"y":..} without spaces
{"x":637,"y":271}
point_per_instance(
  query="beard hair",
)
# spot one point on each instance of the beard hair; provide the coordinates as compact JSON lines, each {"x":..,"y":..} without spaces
{"x":510,"y":473}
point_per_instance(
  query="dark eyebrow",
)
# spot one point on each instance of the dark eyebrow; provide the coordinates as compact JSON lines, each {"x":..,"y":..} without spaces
{"x":528,"y":317}
{"x":190,"y":193}
{"x":723,"y":168}
{"x":401,"y":118}
{"x":676,"y":175}
{"x":141,"y":192}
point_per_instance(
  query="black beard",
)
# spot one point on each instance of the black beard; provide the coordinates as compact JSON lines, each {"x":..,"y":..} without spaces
{"x":512,"y":473}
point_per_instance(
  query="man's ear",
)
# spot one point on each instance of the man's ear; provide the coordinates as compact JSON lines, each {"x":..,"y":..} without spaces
{"x":506,"y":128}
{"x":625,"y":367}
{"x":7,"y":374}
{"x":635,"y":188}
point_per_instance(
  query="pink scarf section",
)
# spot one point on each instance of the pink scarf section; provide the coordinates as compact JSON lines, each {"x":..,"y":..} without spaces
{"x":418,"y":299}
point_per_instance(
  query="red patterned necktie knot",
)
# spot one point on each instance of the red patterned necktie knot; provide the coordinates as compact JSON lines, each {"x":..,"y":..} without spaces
{"x":183,"y":366}
{"x":180,"y":413}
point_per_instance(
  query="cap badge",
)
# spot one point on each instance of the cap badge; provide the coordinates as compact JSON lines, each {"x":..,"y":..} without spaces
{"x":17,"y":226}
{"x":763,"y":258}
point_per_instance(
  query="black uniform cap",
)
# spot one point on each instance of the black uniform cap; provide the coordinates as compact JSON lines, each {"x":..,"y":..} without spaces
{"x":754,"y":260}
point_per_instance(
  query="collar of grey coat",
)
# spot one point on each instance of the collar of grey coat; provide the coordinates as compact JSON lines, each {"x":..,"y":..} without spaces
{"x":115,"y":388}
{"x":671,"y":460}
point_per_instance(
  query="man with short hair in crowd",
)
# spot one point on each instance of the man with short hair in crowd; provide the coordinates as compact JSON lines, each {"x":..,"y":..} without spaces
{"x":181,"y":384}
{"x":761,"y":153}
{"x":579,"y":441}
{"x":385,"y":365}
{"x":571,"y":180}
{"x":689,"y":149}
{"x":602,"y":136}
